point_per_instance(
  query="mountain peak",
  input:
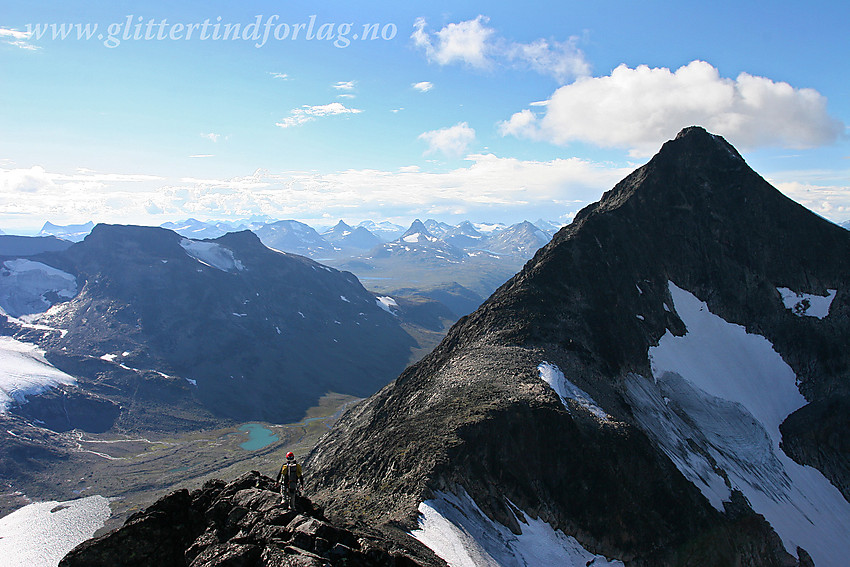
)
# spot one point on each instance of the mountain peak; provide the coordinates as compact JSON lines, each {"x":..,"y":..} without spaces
{"x":417,"y":227}
{"x":696,"y":140}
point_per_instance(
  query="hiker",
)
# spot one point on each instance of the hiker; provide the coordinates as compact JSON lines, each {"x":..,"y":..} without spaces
{"x":290,"y":471}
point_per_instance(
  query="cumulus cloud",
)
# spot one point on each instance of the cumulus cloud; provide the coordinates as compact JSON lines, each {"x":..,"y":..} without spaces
{"x":19,"y":39}
{"x":307,"y":113}
{"x":475,"y":44}
{"x":464,"y":42}
{"x":423,"y":86}
{"x":641,"y":108}
{"x":452,"y":141}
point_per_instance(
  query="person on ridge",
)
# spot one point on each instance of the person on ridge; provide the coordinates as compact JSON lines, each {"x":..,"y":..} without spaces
{"x":292,"y":476}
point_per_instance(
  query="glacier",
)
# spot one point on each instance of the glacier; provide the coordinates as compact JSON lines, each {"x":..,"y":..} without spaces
{"x":212,"y":254}
{"x":727,"y":391}
{"x":24,"y":371}
{"x":25,"y":286}
{"x":456,"y":529}
{"x":40,"y":534}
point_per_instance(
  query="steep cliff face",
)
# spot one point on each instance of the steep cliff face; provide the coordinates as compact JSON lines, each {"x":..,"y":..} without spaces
{"x":627,"y":386}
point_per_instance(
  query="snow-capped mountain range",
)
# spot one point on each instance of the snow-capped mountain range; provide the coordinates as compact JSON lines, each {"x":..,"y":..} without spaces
{"x":343,"y":240}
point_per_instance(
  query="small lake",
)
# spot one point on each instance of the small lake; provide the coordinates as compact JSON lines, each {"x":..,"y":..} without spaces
{"x":258,"y":437}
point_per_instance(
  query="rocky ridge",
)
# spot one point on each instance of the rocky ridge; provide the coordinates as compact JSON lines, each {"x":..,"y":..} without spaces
{"x":241,"y":523}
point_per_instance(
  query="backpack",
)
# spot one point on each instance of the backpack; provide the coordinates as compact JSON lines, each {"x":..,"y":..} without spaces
{"x":291,"y":476}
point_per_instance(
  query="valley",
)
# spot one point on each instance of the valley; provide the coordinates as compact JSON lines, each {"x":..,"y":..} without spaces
{"x":133,"y":470}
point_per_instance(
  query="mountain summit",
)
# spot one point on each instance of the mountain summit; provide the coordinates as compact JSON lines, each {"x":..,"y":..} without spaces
{"x":644,"y":391}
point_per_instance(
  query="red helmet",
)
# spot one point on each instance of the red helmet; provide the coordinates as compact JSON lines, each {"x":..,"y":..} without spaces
{"x":290,"y":456}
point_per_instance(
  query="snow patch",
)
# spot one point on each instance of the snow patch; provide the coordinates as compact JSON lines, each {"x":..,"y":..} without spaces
{"x":412,"y":238}
{"x":42,"y":533}
{"x":109,"y":357}
{"x":387,"y":303}
{"x":192,"y":382}
{"x":726,"y":392}
{"x":456,"y":529}
{"x":553,"y":376}
{"x":342,"y":297}
{"x":212,"y":254}
{"x":25,"y":372}
{"x":807,"y":304}
{"x":25,"y":285}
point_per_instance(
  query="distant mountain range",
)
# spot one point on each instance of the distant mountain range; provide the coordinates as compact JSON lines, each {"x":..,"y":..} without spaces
{"x":467,"y":261}
{"x":340,"y":240}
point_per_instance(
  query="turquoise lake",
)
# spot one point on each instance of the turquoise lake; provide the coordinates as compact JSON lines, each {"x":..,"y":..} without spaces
{"x":258,"y":437}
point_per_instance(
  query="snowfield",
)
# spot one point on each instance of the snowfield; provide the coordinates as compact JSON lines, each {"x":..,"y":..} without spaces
{"x":24,"y":285}
{"x":40,"y":534}
{"x":387,"y":303}
{"x":24,"y":371}
{"x":456,"y":529}
{"x":728,"y":391}
{"x":807,"y":304}
{"x":212,"y":254}
{"x":553,"y":376}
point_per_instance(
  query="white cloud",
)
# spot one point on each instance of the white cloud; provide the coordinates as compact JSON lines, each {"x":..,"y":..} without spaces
{"x":486,"y":187}
{"x":281,"y":76}
{"x":202,"y":155}
{"x":641,"y":108}
{"x":519,"y":124}
{"x":452,"y":141}
{"x":19,"y":39}
{"x":562,"y":60}
{"x":306,"y":113}
{"x":344,"y":85}
{"x":464,"y":42}
{"x":475,"y":44}
{"x":345,"y":95}
{"x":423,"y":86}
{"x":212,"y":137}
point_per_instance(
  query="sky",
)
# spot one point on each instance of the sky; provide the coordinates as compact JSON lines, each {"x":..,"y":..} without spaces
{"x":149,"y":112}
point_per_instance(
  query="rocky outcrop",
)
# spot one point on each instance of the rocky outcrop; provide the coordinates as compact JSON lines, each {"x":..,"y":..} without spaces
{"x":238,"y":524}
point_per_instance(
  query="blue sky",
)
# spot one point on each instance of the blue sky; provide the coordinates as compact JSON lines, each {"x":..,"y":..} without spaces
{"x":489,"y":111}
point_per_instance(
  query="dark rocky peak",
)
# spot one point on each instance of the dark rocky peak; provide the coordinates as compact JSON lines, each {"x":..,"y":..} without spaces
{"x":118,"y":239}
{"x":341,"y":227}
{"x":417,"y":227}
{"x":240,"y":523}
